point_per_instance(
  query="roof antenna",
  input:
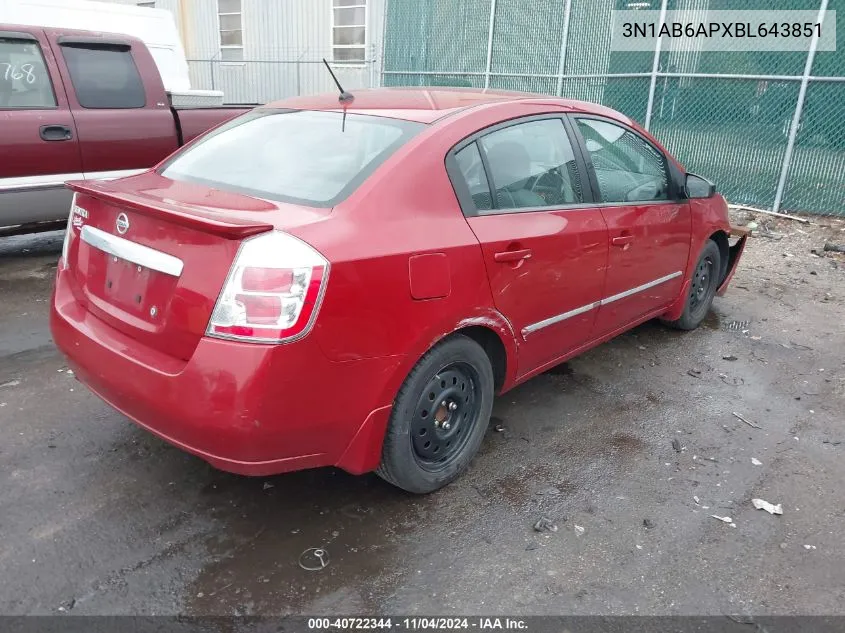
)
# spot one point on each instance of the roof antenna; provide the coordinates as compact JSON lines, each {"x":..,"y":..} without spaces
{"x":344,"y":96}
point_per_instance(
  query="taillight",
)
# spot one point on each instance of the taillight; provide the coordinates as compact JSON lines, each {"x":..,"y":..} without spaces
{"x":69,"y":234}
{"x":273,"y":291}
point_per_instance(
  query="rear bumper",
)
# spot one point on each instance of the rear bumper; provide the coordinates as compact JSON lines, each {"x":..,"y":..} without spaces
{"x":735,"y":253}
{"x":245,"y":408}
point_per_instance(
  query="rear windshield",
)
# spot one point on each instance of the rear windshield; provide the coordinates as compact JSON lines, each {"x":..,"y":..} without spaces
{"x":304,"y":157}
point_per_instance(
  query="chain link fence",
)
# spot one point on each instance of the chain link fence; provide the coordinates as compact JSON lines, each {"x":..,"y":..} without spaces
{"x":767,"y":127}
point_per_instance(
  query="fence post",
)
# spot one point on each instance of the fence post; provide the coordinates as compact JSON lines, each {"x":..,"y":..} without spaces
{"x":655,"y":66}
{"x":490,"y":43}
{"x":564,"y":39}
{"x":371,"y":80}
{"x":383,"y":43}
{"x":799,"y":107}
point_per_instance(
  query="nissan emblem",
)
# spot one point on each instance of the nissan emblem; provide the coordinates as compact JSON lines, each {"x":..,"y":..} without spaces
{"x":122,"y":223}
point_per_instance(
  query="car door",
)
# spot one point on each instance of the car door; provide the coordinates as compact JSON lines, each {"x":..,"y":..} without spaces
{"x":649,"y":225}
{"x":525,"y":194}
{"x":38,"y":137}
{"x":123,"y":127}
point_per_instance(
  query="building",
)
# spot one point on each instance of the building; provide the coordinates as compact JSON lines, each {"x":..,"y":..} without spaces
{"x":261,"y":50}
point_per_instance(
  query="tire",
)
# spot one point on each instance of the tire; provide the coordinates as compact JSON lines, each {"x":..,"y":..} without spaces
{"x":439,"y":417}
{"x":706,"y":278}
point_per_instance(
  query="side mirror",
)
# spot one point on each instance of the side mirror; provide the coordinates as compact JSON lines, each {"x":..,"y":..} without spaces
{"x":698,"y":187}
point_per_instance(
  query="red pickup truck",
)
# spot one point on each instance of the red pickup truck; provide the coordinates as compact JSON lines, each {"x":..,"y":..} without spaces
{"x":80,"y":105}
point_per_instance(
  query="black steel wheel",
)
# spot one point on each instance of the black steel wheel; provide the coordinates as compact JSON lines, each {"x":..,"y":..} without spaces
{"x":703,"y":286}
{"x":447,"y":408}
{"x":439,"y":416}
{"x":703,"y":283}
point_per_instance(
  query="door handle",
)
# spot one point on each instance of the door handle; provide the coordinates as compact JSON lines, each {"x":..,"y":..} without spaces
{"x":513,"y":256}
{"x":622,"y":240}
{"x":55,"y":133}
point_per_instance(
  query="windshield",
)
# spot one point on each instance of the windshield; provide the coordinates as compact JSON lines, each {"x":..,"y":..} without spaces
{"x":305,"y":157}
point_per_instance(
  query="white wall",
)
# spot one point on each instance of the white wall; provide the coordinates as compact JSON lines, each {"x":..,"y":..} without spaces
{"x":284,"y":41}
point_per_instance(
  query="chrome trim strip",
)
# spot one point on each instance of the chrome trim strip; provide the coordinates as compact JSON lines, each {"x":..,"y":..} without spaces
{"x":530,"y":329}
{"x":633,"y":291}
{"x":46,"y":181}
{"x":131,"y":251}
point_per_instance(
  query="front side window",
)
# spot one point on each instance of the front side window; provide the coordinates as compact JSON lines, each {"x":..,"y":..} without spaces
{"x":349,"y":30}
{"x":628,"y":168}
{"x":24,"y":80}
{"x":104,"y":76}
{"x":231,"y":30}
{"x":304,"y":157}
{"x":532,"y":165}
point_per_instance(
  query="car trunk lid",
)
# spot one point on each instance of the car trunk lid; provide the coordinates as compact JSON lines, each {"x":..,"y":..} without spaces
{"x":149,"y":255}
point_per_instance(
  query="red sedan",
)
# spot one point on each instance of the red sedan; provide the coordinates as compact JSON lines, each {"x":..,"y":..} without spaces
{"x":349,"y":283}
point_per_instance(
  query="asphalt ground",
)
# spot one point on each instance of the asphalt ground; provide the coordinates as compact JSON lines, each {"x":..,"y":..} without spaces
{"x":98,"y":516}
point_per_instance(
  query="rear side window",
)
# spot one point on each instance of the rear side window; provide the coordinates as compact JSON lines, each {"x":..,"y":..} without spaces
{"x":472,"y":171}
{"x":24,"y":80}
{"x":104,"y":77}
{"x":304,"y":157}
{"x":628,"y":168}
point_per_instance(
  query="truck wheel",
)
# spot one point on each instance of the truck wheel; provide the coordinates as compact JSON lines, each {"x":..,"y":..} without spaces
{"x":439,"y":417}
{"x":705,"y":282}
